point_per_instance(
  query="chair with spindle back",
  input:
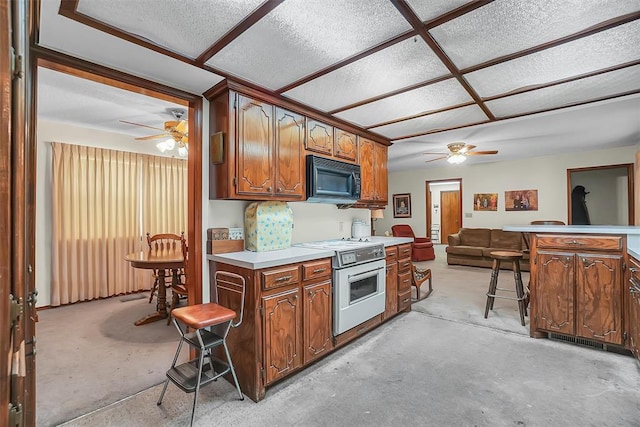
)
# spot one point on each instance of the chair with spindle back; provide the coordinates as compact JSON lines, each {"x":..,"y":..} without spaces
{"x":160,"y":242}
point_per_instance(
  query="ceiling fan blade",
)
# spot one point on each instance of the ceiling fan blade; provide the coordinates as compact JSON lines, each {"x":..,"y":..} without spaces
{"x":437,"y":158}
{"x":480,"y":153}
{"x":144,"y":138}
{"x":181,"y":126}
{"x":138,"y":124}
{"x":467,"y":148}
{"x":437,"y":154}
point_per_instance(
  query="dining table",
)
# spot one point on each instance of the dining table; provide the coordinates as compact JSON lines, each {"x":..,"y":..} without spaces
{"x":160,"y":260}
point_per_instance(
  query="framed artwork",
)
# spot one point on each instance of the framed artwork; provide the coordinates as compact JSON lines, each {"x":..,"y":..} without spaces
{"x":521,"y":200}
{"x":485,"y":202}
{"x":402,"y":205}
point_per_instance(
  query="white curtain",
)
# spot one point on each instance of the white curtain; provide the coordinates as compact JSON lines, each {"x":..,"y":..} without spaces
{"x":99,"y":198}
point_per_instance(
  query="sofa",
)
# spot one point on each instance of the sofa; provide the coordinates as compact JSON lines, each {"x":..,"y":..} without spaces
{"x":473,"y":246}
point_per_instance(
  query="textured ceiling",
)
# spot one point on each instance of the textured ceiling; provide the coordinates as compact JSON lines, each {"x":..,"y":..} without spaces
{"x":419,"y":73}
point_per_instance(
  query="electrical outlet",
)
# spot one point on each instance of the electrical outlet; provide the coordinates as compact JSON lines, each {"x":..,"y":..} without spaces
{"x":468,"y":214}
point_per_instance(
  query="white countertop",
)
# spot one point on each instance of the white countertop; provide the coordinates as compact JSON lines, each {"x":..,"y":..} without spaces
{"x":257,"y":260}
{"x":632,"y":232}
{"x":573,"y":229}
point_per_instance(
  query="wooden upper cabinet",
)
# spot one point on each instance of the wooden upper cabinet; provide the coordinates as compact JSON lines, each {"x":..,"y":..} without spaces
{"x":254,"y":147}
{"x":319,"y":137}
{"x":381,"y":173}
{"x":346,"y":145}
{"x":290,"y":167}
{"x":374,"y":172}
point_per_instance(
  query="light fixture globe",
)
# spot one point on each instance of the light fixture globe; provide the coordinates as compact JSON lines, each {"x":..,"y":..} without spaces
{"x":456,"y":159}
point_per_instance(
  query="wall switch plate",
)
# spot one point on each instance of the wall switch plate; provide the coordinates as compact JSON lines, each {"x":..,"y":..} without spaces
{"x":468,"y":214}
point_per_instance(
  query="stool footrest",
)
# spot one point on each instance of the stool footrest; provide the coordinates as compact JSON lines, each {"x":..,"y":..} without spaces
{"x":185,"y":376}
{"x":209,"y":339}
{"x":505,"y":297}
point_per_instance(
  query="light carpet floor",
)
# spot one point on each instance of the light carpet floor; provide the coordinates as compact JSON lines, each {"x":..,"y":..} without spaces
{"x":91,"y":354}
{"x":442,"y":364}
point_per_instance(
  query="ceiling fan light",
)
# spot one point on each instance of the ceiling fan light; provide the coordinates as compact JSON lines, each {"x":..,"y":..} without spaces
{"x":182,"y":151}
{"x":456,"y":159}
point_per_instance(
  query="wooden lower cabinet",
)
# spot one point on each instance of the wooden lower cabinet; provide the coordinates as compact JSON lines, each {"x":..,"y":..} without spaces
{"x":633,"y":303}
{"x":391,"y":279}
{"x":578,"y":292}
{"x":287,"y":322}
{"x":317,"y":312}
{"x":282,"y":320}
{"x":398,"y":280}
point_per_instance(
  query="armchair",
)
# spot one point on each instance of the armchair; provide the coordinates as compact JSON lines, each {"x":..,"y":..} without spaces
{"x":421,"y":248}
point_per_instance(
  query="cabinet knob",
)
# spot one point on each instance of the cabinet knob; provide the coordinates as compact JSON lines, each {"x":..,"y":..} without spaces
{"x":279,"y":189}
{"x":269,"y":188}
{"x":310,"y":293}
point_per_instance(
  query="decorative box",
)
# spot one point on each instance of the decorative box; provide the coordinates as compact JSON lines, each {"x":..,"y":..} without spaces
{"x":268,"y":226}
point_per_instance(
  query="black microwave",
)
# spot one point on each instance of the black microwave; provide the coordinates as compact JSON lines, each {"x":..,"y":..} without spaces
{"x":332,"y":181}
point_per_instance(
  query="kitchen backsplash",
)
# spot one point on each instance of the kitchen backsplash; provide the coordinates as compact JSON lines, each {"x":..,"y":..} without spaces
{"x":311,"y":221}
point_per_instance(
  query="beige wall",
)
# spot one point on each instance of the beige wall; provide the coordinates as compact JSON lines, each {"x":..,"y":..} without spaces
{"x":546,"y":174}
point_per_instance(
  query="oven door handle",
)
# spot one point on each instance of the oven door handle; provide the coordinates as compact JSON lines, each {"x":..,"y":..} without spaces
{"x":364,"y":273}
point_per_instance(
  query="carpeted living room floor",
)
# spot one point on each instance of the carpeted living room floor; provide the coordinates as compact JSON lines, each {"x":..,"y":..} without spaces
{"x":441,"y":364}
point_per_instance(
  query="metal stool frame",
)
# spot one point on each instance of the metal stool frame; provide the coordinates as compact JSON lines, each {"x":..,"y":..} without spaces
{"x":190,"y":376}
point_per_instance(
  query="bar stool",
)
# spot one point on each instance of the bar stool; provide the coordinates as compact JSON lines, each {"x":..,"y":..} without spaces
{"x":210,"y":323}
{"x":514,"y":258}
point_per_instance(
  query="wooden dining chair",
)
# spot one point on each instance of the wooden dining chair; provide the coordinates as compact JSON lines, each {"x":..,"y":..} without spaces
{"x":160,"y":242}
{"x":179,"y":285}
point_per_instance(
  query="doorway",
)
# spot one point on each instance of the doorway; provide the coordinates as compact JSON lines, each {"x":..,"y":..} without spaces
{"x":444,"y":213}
{"x":601,"y":195}
{"x":106,"y":326}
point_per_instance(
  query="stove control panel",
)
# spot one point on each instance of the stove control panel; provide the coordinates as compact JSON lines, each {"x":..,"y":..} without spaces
{"x":359,"y":255}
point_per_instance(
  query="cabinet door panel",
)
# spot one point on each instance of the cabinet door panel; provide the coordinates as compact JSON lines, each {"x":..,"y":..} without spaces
{"x":346,"y":145}
{"x":319,"y":137}
{"x":634,"y":318}
{"x":599,"y":297}
{"x":283,"y":337}
{"x":289,"y":154}
{"x":318,"y":337}
{"x":367,"y":188}
{"x":391,"y":306}
{"x":381,"y":174}
{"x":554,"y":292}
{"x":255,"y":147}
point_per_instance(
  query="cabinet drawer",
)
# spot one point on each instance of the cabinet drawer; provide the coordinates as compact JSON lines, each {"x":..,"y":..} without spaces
{"x":404,"y":265}
{"x":391,"y":253}
{"x":404,"y":281}
{"x":579,"y":243}
{"x":277,"y":277}
{"x":404,"y":250}
{"x":316,"y":269}
{"x":404,"y":300}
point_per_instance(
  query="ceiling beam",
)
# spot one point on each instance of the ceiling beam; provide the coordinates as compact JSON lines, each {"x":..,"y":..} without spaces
{"x":242,"y":26}
{"x":415,"y":22}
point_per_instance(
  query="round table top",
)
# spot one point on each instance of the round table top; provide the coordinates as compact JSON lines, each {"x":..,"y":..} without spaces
{"x":506,"y":255}
{"x":156,"y":259}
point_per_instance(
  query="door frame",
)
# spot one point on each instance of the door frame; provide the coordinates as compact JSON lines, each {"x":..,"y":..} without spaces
{"x":430,"y":202}
{"x":630,"y":187}
{"x":79,"y":68}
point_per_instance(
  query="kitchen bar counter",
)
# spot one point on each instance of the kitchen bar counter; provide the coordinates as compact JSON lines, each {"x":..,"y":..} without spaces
{"x":632,"y":232}
{"x":257,"y":260}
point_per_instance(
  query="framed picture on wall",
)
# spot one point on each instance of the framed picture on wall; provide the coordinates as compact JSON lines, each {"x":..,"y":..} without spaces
{"x":402,"y":205}
{"x":521,"y":200}
{"x":485,"y":202}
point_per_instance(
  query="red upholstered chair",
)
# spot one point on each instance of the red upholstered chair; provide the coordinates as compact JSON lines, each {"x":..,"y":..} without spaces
{"x":422,"y":247}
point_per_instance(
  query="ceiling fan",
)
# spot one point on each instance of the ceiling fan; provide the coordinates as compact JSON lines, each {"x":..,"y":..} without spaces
{"x":458,"y":152}
{"x":175,"y":132}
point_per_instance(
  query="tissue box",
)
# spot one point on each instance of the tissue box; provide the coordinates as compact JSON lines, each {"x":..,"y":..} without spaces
{"x":268,"y":226}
